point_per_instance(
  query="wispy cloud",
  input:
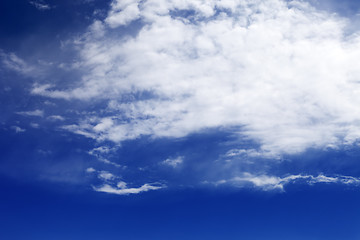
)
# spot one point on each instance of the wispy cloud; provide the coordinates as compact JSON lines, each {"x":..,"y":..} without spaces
{"x":35,"y":113}
{"x":250,"y":153}
{"x":40,"y":5}
{"x":173,"y":162}
{"x":13,"y":62}
{"x":102,"y":153}
{"x":56,"y":118}
{"x":122,"y":189}
{"x":104,"y":175}
{"x":34,"y":125}
{"x":18,"y":129}
{"x":112,"y":184}
{"x":267,"y":183}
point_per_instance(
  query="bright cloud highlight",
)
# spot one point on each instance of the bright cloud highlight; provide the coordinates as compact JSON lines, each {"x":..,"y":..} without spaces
{"x":283,"y":72}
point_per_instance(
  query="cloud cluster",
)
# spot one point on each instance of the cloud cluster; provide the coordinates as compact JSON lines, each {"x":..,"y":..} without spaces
{"x":282,"y":71}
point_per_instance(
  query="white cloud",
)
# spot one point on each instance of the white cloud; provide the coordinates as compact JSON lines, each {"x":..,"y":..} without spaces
{"x":40,"y":5}
{"x":104,"y":175}
{"x":101,"y":154}
{"x":34,"y":125}
{"x":90,"y":170}
{"x":100,"y":150}
{"x":267,"y":182}
{"x":123,"y":12}
{"x":35,"y":113}
{"x":18,"y":129}
{"x":13,"y":62}
{"x":113,"y":186}
{"x":173,"y":162}
{"x":121,"y":189}
{"x":252,"y":153}
{"x":104,"y":160}
{"x":281,"y":70}
{"x":56,"y":118}
{"x":121,"y":185}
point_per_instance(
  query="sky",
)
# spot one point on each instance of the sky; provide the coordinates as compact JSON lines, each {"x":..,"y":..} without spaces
{"x":181,"y":119}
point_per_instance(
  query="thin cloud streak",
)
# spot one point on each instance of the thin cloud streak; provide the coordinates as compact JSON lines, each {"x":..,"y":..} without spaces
{"x":270,"y":183}
{"x":123,"y":190}
{"x":35,"y":113}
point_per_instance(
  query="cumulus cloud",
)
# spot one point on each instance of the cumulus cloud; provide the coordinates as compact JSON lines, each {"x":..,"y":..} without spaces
{"x":123,"y":12}
{"x":283,"y":72}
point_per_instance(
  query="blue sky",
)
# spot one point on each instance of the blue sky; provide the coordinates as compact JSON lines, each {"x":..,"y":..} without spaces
{"x":179,"y":119}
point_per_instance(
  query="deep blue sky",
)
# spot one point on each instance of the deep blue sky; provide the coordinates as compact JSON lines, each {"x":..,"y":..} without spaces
{"x":100,"y":153}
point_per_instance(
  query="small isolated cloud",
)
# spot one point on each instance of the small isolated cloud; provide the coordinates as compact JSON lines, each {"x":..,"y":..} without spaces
{"x":35,"y":113}
{"x":18,"y":129}
{"x":173,"y":162}
{"x":44,"y":152}
{"x":90,"y":170}
{"x":104,"y":175}
{"x":122,"y":189}
{"x":56,"y":118}
{"x":40,"y":5}
{"x":34,"y":125}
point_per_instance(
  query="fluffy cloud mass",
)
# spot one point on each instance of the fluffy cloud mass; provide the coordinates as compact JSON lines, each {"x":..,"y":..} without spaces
{"x":282,"y":72}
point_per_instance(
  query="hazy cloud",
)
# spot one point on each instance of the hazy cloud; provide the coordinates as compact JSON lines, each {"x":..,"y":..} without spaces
{"x":18,"y":129}
{"x":13,"y":62}
{"x":35,"y":113}
{"x":56,"y":118}
{"x":40,"y":5}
